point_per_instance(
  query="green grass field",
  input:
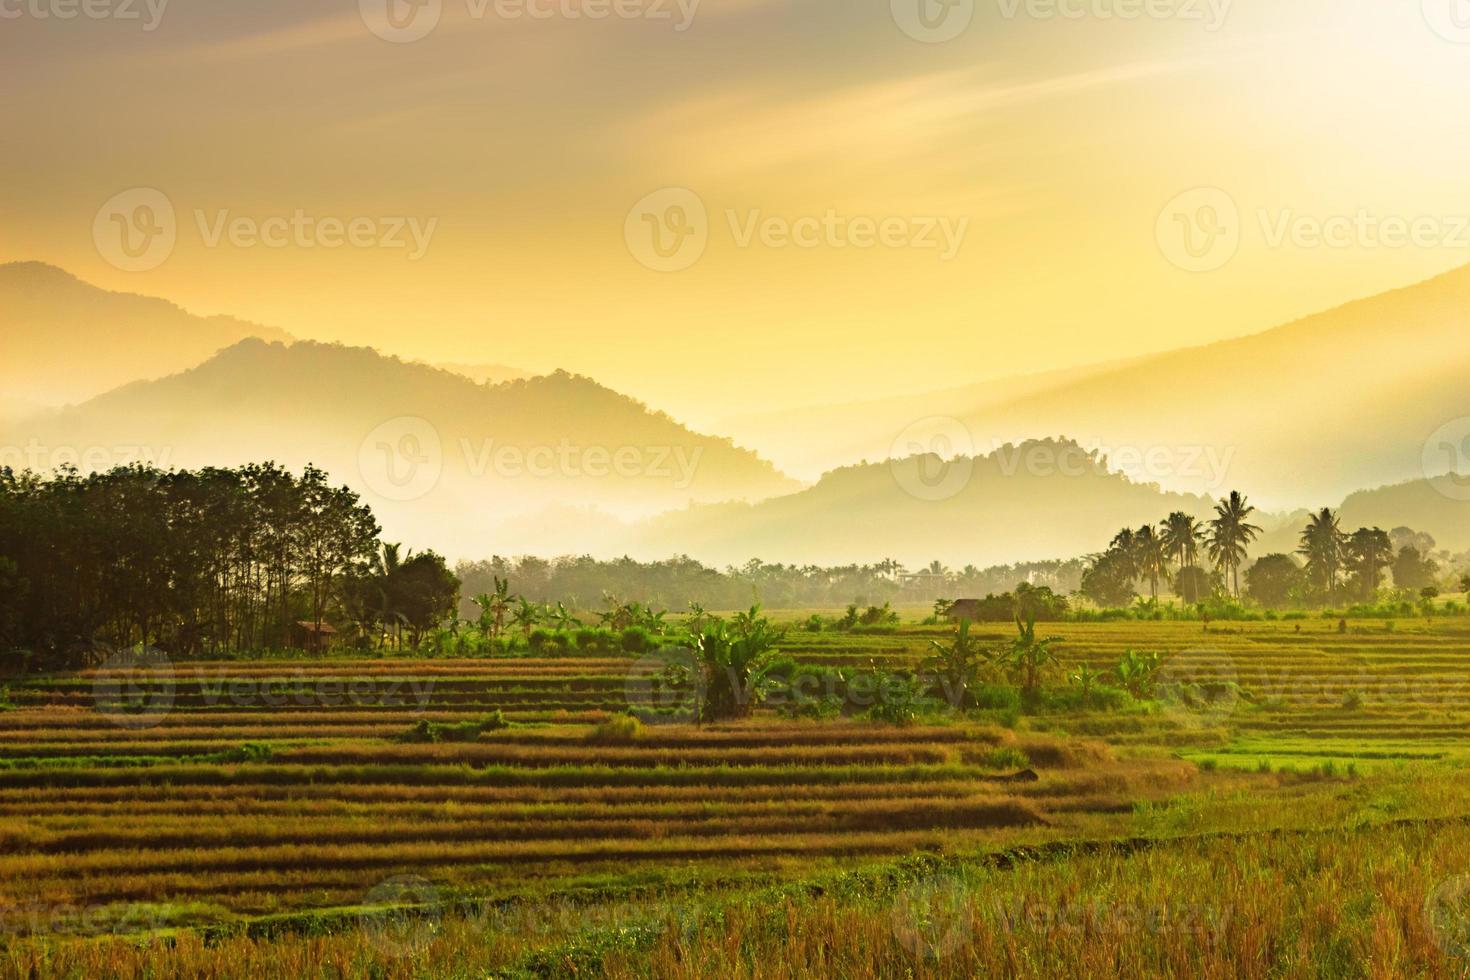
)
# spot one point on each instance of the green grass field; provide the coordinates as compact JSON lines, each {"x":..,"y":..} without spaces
{"x":278,"y":818}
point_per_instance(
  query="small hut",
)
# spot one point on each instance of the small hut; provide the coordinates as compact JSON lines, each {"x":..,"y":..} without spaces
{"x":965,"y":611}
{"x":312,"y":637}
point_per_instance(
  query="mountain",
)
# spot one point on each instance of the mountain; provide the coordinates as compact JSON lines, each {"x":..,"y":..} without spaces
{"x":441,"y":459}
{"x":63,"y":340}
{"x":808,"y":442}
{"x":486,"y":374}
{"x":1040,"y":499}
{"x":1303,"y":414}
{"x":1433,"y":507}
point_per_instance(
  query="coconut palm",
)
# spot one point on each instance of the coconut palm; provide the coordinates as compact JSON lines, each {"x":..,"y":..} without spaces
{"x":1125,"y":546}
{"x":1231,"y":535}
{"x":1182,"y":535}
{"x":1322,"y":545}
{"x":1150,"y":558}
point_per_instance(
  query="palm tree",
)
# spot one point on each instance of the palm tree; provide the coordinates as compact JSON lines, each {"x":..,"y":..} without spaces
{"x":1149,"y":557}
{"x":937,"y":572}
{"x":1182,"y":535}
{"x":384,"y":571}
{"x":1322,"y":544}
{"x":1231,"y":535}
{"x":1125,"y":546}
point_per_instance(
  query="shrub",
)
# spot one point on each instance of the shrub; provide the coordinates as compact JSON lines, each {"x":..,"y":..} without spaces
{"x":1352,"y":701}
{"x":250,"y":752}
{"x":425,"y":731}
{"x":996,"y":697}
{"x":587,"y":638}
{"x":1004,"y":757}
{"x":617,"y":729}
{"x":636,"y":639}
{"x":1004,"y":717}
{"x":901,"y":698}
{"x":819,"y":709}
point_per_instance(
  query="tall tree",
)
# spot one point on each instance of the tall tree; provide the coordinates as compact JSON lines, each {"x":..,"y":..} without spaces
{"x":1322,"y":544}
{"x":1150,"y":558}
{"x":1414,"y":570}
{"x":1231,"y":535}
{"x":1182,"y":535}
{"x":1125,"y":546}
{"x":1273,"y":581}
{"x":1369,"y":552}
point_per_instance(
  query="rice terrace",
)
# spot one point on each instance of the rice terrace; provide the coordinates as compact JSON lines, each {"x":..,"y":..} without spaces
{"x":735,"y":490}
{"x":507,"y":816}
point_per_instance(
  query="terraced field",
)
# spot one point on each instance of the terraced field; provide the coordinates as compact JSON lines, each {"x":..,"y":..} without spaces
{"x":254,"y":800}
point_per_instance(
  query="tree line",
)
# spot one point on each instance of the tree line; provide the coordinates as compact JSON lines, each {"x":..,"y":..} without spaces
{"x":206,"y":561}
{"x":1334,"y":567}
{"x":678,"y":583}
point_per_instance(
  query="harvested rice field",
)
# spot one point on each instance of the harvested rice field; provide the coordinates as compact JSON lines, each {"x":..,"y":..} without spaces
{"x":437,"y":817}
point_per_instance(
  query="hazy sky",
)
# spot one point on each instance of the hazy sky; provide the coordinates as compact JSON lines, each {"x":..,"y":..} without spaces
{"x":990,"y":203}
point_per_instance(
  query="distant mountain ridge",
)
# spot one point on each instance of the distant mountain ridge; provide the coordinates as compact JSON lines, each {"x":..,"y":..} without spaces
{"x":1040,"y":499}
{"x":63,"y":340}
{"x":1307,"y":412}
{"x":441,"y":458}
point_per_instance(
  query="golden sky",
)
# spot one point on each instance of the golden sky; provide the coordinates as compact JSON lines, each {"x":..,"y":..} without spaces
{"x":886,"y":208}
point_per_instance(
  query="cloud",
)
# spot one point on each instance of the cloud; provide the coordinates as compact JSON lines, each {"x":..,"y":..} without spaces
{"x":736,"y":131}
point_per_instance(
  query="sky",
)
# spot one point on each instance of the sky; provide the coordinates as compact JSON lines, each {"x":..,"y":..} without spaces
{"x":735,"y":206}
